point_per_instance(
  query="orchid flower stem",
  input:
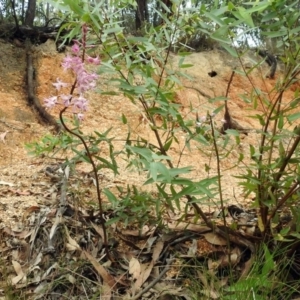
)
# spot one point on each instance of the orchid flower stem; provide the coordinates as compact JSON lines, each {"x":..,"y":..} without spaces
{"x":102,"y":220}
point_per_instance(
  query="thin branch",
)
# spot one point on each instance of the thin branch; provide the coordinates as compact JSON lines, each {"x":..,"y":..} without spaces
{"x":294,"y":188}
{"x":14,"y":14}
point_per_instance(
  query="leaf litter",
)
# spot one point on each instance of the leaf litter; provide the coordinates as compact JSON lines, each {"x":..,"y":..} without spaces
{"x":58,"y":249}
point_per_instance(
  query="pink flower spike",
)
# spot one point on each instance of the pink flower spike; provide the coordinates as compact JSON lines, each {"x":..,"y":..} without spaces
{"x":75,"y":49}
{"x":80,"y":117}
{"x":202,"y":119}
{"x":84,"y":28}
{"x":59,"y":84}
{"x":86,"y":81}
{"x":66,"y":100}
{"x":80,"y":103}
{"x":67,"y":62}
{"x":50,"y":102}
{"x":93,"y":60}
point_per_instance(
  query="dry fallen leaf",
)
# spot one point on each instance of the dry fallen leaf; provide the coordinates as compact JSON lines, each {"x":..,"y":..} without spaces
{"x":107,"y":278}
{"x":148,"y":267}
{"x":71,"y":278}
{"x":2,"y":136}
{"x":260,"y":224}
{"x":215,"y":239}
{"x":6,"y":183}
{"x":210,"y":293}
{"x":193,"y":248}
{"x":29,"y":210}
{"x":19,"y":271}
{"x":212,"y":266}
{"x":72,"y":245}
{"x":20,"y":193}
{"x":58,"y":221}
{"x":157,"y":251}
{"x":247,"y":267}
{"x":134,"y":268}
{"x":22,"y":234}
{"x":192,"y":227}
{"x":99,"y":230}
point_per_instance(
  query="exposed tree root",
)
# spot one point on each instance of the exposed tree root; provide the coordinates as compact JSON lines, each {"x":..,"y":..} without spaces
{"x":44,"y":116}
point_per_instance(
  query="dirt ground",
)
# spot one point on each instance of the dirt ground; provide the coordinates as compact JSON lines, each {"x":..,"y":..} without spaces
{"x":22,"y":181}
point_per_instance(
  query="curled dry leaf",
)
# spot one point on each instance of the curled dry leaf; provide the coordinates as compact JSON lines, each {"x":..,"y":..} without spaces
{"x":2,"y":136}
{"x":107,"y":278}
{"x":192,"y":227}
{"x":19,"y":234}
{"x":58,"y":221}
{"x":148,"y":267}
{"x":30,"y":210}
{"x":146,"y":231}
{"x":72,"y":245}
{"x":193,"y":248}
{"x":247,"y":267}
{"x":212,"y":266}
{"x":233,"y":259}
{"x":53,"y":267}
{"x":71,"y":278}
{"x":19,"y":271}
{"x":225,"y":260}
{"x":215,"y":239}
{"x":99,"y":230}
{"x":134,"y":268}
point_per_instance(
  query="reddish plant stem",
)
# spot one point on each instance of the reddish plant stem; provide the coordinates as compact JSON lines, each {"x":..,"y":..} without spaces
{"x":102,"y":220}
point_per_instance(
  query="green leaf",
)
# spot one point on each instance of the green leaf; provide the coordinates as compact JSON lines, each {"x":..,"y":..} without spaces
{"x":113,"y":221}
{"x":111,"y":197}
{"x":82,"y":155}
{"x":273,"y":34}
{"x":285,"y":231}
{"x":230,"y":50}
{"x":116,"y":29}
{"x":269,"y":265}
{"x":215,"y":18}
{"x":258,"y":6}
{"x":217,"y":99}
{"x":295,"y":234}
{"x":280,"y":121}
{"x":293,"y":117}
{"x":232,"y":132}
{"x":124,"y":119}
{"x":218,"y":109}
{"x":159,"y":168}
{"x":185,"y":191}
{"x":243,"y":15}
{"x":105,"y":164}
{"x":201,"y":139}
{"x":295,"y":102}
{"x":95,"y":22}
{"x":74,"y":6}
{"x":181,"y":181}
{"x":168,"y":144}
{"x":160,"y":157}
{"x":178,"y":171}
{"x":221,"y":35}
{"x":294,"y":30}
{"x":144,"y":152}
{"x":153,"y":170}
